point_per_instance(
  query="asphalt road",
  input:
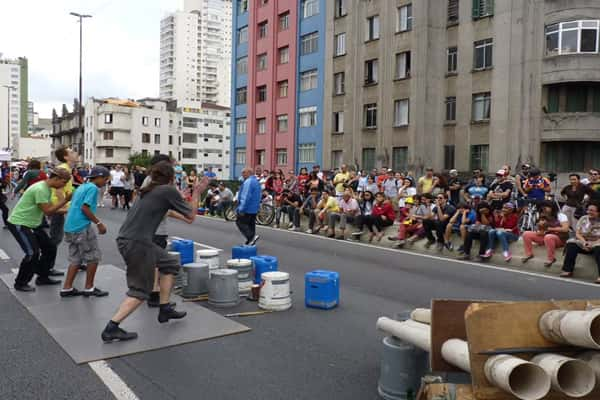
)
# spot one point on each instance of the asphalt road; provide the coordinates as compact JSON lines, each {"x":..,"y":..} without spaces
{"x":298,"y":354}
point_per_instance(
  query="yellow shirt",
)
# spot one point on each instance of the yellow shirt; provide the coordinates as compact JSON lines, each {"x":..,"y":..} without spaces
{"x":332,"y":205}
{"x":339,"y":180}
{"x":426,"y":184}
{"x":68,"y":188}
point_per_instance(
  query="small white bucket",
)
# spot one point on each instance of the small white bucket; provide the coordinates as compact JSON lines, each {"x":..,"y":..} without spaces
{"x":244,"y":268}
{"x":275,"y":291}
{"x":210,"y":257}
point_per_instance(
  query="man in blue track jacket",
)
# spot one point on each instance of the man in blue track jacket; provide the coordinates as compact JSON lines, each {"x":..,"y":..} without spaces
{"x":248,"y":204}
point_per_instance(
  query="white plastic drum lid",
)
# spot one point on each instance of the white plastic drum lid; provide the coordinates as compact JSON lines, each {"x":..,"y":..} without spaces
{"x":225,"y":272}
{"x":275,"y":276}
{"x":207,"y":253}
{"x":239,"y":262}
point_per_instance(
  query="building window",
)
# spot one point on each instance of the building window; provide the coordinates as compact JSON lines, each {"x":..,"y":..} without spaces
{"x":242,"y":35}
{"x":368,"y":158}
{"x":241,"y":66}
{"x":309,"y":80}
{"x":337,"y":158}
{"x":261,"y":93}
{"x":145,"y":138}
{"x":576,"y":98}
{"x":281,"y":156}
{"x":261,"y":61}
{"x":371,"y":67}
{"x":262,"y":29}
{"x":282,"y":88}
{"x":109,"y":153}
{"x":264,"y":2}
{"x":284,"y":55}
{"x":483,"y":8}
{"x":339,"y":80}
{"x":569,"y":156}
{"x":482,"y":104}
{"x":282,"y":123}
{"x":170,"y":140}
{"x":339,"y":44}
{"x":482,"y":55}
{"x":479,"y":157}
{"x":241,"y":95}
{"x":156,"y":139}
{"x":241,"y":126}
{"x":372,"y":32}
{"x":572,"y":37}
{"x":242,"y":6}
{"x":451,"y":108}
{"x":405,"y":18}
{"x":284,"y":21}
{"x":108,"y":118}
{"x":310,"y":8}
{"x":452,"y":60}
{"x":240,"y":155}
{"x":403,"y":65}
{"x":145,"y":121}
{"x":401,"y":112}
{"x":108,"y":135}
{"x":189,"y":138}
{"x":400,"y":158}
{"x":308,"y":116}
{"x":449,"y":156}
{"x":370,"y":116}
{"x":452,"y":11}
{"x":261,"y":126}
{"x":340,"y":8}
{"x":190,"y":153}
{"x":261,"y":157}
{"x":310,"y":43}
{"x":307,"y":153}
{"x":157,"y":122}
{"x":338,"y":122}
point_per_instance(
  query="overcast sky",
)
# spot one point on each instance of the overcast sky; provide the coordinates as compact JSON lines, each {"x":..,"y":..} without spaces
{"x":121,"y":47}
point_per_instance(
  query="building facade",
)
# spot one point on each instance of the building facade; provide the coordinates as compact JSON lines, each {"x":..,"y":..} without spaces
{"x":278,"y":83}
{"x":195,"y":53}
{"x":462,"y":84}
{"x":65,"y":128}
{"x":13,"y":101}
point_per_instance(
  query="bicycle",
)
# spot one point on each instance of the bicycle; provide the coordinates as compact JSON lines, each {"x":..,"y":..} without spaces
{"x":264,"y":216}
{"x":529,"y":217}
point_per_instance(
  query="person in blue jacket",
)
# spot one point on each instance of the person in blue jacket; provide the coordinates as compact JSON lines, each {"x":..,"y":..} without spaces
{"x":248,"y":203}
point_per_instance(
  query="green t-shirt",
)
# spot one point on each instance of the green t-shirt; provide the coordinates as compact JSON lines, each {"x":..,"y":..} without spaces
{"x":27,"y":211}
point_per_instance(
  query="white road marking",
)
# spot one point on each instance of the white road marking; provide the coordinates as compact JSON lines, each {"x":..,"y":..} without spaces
{"x":199,"y":244}
{"x":3,"y":255}
{"x":430,"y":256}
{"x":113,"y":382}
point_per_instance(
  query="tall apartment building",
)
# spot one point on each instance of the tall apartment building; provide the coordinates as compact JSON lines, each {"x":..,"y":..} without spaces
{"x":13,"y":101}
{"x":462,"y":84}
{"x":278,"y":83}
{"x":195,"y":53}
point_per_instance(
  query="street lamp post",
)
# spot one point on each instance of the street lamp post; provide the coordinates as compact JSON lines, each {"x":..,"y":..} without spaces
{"x":81,"y":17}
{"x":8,"y":89}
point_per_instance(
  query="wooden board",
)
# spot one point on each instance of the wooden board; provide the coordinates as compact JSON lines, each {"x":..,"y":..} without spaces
{"x":442,"y":391}
{"x":510,"y":325}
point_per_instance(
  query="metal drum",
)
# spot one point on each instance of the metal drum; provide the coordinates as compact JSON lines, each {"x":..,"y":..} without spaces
{"x":244,"y":268}
{"x":180,"y":279}
{"x":197,"y":279}
{"x":210,"y":257}
{"x":223,"y":288}
{"x":402,"y":366}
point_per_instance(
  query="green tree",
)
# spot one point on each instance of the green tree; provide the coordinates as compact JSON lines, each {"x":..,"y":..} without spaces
{"x":139,"y":159}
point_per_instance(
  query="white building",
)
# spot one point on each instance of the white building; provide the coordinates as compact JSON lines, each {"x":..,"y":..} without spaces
{"x":195,"y":53}
{"x":205,"y":138}
{"x":115,"y":129}
{"x":13,"y":90}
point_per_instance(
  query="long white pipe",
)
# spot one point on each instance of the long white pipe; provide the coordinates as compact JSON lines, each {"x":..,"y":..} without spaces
{"x":456,"y":352}
{"x":577,"y":328}
{"x":518,"y":377}
{"x":573,"y":377}
{"x":592,"y":358}
{"x":422,"y":315}
{"x":410,"y":331}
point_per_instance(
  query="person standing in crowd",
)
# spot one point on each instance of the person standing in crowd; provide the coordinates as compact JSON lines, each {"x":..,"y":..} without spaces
{"x":317,"y":170}
{"x":594,"y":184}
{"x":25,"y":224}
{"x":586,"y":241}
{"x":362,"y":182}
{"x":308,"y":208}
{"x":426,"y":183}
{"x":303,"y":178}
{"x":33,"y":175}
{"x":81,"y":237}
{"x":574,"y":194}
{"x":209,"y":173}
{"x":141,"y":255}
{"x":536,"y":186}
{"x":477,"y":191}
{"x":128,"y":185}
{"x":248,"y":203}
{"x":291,"y":182}
{"x":454,"y":187}
{"x":191,"y":179}
{"x":116,"y":185}
{"x":315,"y":182}
{"x":390,"y":185}
{"x":340,"y":179}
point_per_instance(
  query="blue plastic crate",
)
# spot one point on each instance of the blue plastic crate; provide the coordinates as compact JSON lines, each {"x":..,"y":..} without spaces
{"x":322,"y":289}
{"x":243,"y":252}
{"x":186,"y":250}
{"x":263,"y":264}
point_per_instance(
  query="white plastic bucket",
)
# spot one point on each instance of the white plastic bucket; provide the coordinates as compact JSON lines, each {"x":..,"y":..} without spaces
{"x":244,"y":268}
{"x":210,"y":257}
{"x":275,"y":291}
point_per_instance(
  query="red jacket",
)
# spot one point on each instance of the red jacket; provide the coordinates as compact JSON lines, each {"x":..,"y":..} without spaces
{"x":511,"y":222}
{"x":384,"y":209}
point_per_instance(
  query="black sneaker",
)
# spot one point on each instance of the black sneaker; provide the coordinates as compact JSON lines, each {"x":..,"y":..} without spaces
{"x":254,"y":240}
{"x":71,"y":293}
{"x":156,"y":304}
{"x":168,"y":312}
{"x":55,"y":272}
{"x":44,"y":280}
{"x":449,"y":246}
{"x":117,"y":334}
{"x":96,"y":292}
{"x":24,"y":288}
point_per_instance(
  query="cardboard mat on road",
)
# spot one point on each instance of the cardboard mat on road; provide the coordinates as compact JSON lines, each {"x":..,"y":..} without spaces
{"x":76,"y":323}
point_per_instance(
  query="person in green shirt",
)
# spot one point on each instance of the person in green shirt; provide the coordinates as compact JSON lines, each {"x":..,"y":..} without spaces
{"x":25,"y":224}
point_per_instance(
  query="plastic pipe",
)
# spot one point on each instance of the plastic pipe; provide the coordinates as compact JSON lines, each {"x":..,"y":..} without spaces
{"x":577,"y":328}
{"x":412,"y":332}
{"x":422,"y":315}
{"x":456,"y":352}
{"x":522,"y":379}
{"x":574,"y":378}
{"x":592,"y":359}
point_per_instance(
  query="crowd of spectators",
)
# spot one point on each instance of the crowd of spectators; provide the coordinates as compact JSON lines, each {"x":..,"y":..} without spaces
{"x":443,"y":209}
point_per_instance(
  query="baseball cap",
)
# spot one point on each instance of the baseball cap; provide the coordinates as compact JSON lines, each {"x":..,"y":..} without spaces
{"x":509,"y":205}
{"x":61,"y":173}
{"x":453,"y":172}
{"x":390,"y":170}
{"x":99,"y":171}
{"x":501,"y":172}
{"x":409,"y":200}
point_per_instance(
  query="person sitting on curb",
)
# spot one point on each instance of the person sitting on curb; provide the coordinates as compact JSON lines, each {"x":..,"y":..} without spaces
{"x":586,"y":241}
{"x":382,"y":216}
{"x":552,"y":232}
{"x":411,"y":225}
{"x":366,"y":208}
{"x":441,"y":214}
{"x":308,"y":208}
{"x":459,"y":222}
{"x":348,"y":212}
{"x":478,"y":231}
{"x":505,"y":230}
{"x":290,"y":202}
{"x":328,"y":204}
